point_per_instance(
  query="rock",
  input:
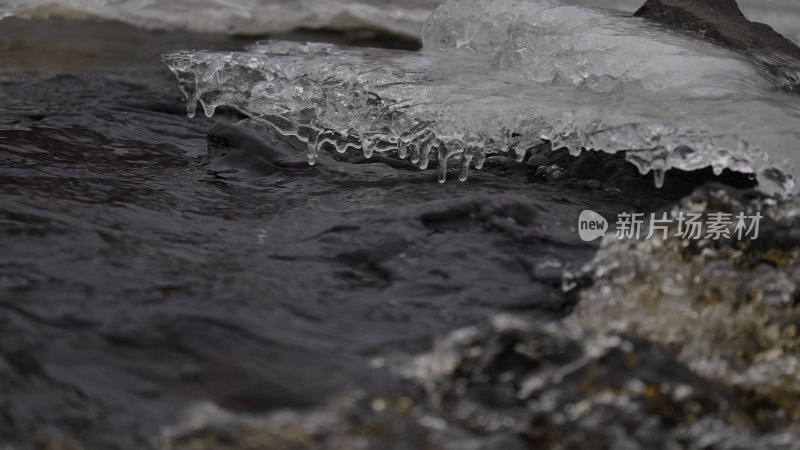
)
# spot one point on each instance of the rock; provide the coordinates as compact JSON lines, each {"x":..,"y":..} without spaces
{"x":55,"y":439}
{"x":562,"y":386}
{"x":722,"y":21}
{"x":351,"y":421}
{"x":510,"y":384}
{"x":718,"y":20}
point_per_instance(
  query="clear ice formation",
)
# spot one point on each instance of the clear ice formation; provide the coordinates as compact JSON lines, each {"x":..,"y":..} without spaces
{"x":498,"y":76}
{"x":241,"y":16}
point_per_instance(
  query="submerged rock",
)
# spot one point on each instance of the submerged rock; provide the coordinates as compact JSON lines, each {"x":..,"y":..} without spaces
{"x":722,"y":21}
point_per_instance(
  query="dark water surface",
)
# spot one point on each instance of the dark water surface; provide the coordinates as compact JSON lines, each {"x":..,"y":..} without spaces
{"x":144,"y":266}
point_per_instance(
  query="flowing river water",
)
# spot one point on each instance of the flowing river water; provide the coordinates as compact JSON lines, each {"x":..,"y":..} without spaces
{"x":153,"y":264}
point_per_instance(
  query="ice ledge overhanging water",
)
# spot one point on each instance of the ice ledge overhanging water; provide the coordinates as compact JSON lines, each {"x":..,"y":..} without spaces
{"x":503,"y":76}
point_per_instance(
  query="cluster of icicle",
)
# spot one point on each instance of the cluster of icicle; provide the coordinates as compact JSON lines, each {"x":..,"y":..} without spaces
{"x":330,"y":113}
{"x":503,"y":76}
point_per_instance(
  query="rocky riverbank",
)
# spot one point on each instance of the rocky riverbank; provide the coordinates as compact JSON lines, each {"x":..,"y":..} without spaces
{"x":722,"y":21}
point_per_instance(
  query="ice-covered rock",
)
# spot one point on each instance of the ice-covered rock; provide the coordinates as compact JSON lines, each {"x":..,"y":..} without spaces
{"x":503,"y":75}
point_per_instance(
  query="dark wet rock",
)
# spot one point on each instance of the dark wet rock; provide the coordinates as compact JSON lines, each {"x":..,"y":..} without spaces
{"x":722,"y":21}
{"x":719,"y":20}
{"x":55,"y":439}
{"x":561,"y":386}
{"x":509,"y":384}
{"x":353,"y":421}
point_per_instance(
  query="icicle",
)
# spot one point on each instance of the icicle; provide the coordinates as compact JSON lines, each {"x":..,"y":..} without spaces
{"x":479,"y":160}
{"x":463,"y":172}
{"x":414,"y":153}
{"x":367,"y":146}
{"x":188,"y":86}
{"x":520,"y":153}
{"x":442,"y":164}
{"x":658,"y":177}
{"x":209,"y":109}
{"x":321,"y":143}
{"x":426,"y":153}
{"x":310,"y":155}
{"x":328,"y":137}
{"x":191,"y":106}
{"x":312,"y":150}
{"x":402,"y":150}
